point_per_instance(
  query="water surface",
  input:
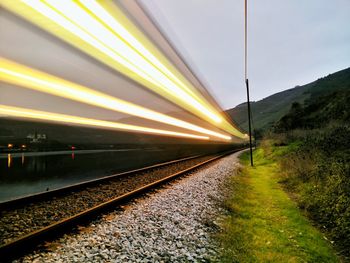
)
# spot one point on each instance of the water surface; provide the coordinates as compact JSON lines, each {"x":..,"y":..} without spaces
{"x":27,"y":173}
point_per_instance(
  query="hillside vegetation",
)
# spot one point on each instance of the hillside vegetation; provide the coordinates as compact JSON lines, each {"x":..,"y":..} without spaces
{"x":262,"y":223}
{"x":269,"y":110}
{"x":317,"y":172}
{"x":303,"y":159}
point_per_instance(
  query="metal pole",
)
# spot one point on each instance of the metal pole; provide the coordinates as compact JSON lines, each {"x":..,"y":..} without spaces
{"x":250,"y":129}
{"x":246,"y":77}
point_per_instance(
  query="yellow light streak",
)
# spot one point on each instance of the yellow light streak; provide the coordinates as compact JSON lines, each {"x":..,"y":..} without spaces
{"x":62,"y":118}
{"x":81,"y":23}
{"x":114,"y":25}
{"x":9,"y":160}
{"x":137,"y":52}
{"x":94,"y":27}
{"x":26,"y":77}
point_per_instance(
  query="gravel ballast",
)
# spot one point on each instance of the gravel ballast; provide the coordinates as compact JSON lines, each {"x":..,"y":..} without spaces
{"x":20,"y":221}
{"x":173,"y":224}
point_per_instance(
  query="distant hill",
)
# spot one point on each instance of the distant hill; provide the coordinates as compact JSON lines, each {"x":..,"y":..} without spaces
{"x":331,"y":109}
{"x":269,"y":110}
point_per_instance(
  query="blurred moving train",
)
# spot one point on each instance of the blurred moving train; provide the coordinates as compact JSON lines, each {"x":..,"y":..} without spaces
{"x":99,"y":75}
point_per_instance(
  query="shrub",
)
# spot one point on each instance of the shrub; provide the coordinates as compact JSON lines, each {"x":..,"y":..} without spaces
{"x":317,"y":173}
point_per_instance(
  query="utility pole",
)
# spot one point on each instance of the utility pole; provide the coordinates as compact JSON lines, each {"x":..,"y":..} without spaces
{"x":246,"y":77}
{"x":249,"y":121}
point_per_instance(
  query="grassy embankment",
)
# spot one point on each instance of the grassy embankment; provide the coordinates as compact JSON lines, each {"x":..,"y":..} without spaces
{"x":263,"y":224}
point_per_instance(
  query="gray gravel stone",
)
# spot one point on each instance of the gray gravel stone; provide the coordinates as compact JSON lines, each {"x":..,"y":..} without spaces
{"x":23,"y":220}
{"x":170,"y":225}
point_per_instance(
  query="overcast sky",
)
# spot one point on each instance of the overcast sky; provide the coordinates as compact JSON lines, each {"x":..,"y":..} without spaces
{"x":291,"y":42}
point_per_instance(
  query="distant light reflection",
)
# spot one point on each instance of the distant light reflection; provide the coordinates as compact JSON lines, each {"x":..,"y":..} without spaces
{"x":9,"y":160}
{"x":73,"y":155}
{"x":22,"y":159}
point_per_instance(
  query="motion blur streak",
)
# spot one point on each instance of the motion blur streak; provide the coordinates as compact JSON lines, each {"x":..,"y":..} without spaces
{"x":16,"y":74}
{"x":114,"y":41}
{"x":71,"y":16}
{"x":120,"y":31}
{"x":118,"y":45}
{"x":62,"y":118}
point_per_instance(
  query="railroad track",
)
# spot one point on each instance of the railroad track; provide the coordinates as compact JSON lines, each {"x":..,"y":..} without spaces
{"x":29,"y":221}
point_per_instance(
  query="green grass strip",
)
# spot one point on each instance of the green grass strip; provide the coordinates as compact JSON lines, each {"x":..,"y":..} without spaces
{"x":263,"y":224}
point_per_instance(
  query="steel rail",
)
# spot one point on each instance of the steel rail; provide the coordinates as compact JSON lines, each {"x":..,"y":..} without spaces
{"x":77,"y":186}
{"x":27,"y":243}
